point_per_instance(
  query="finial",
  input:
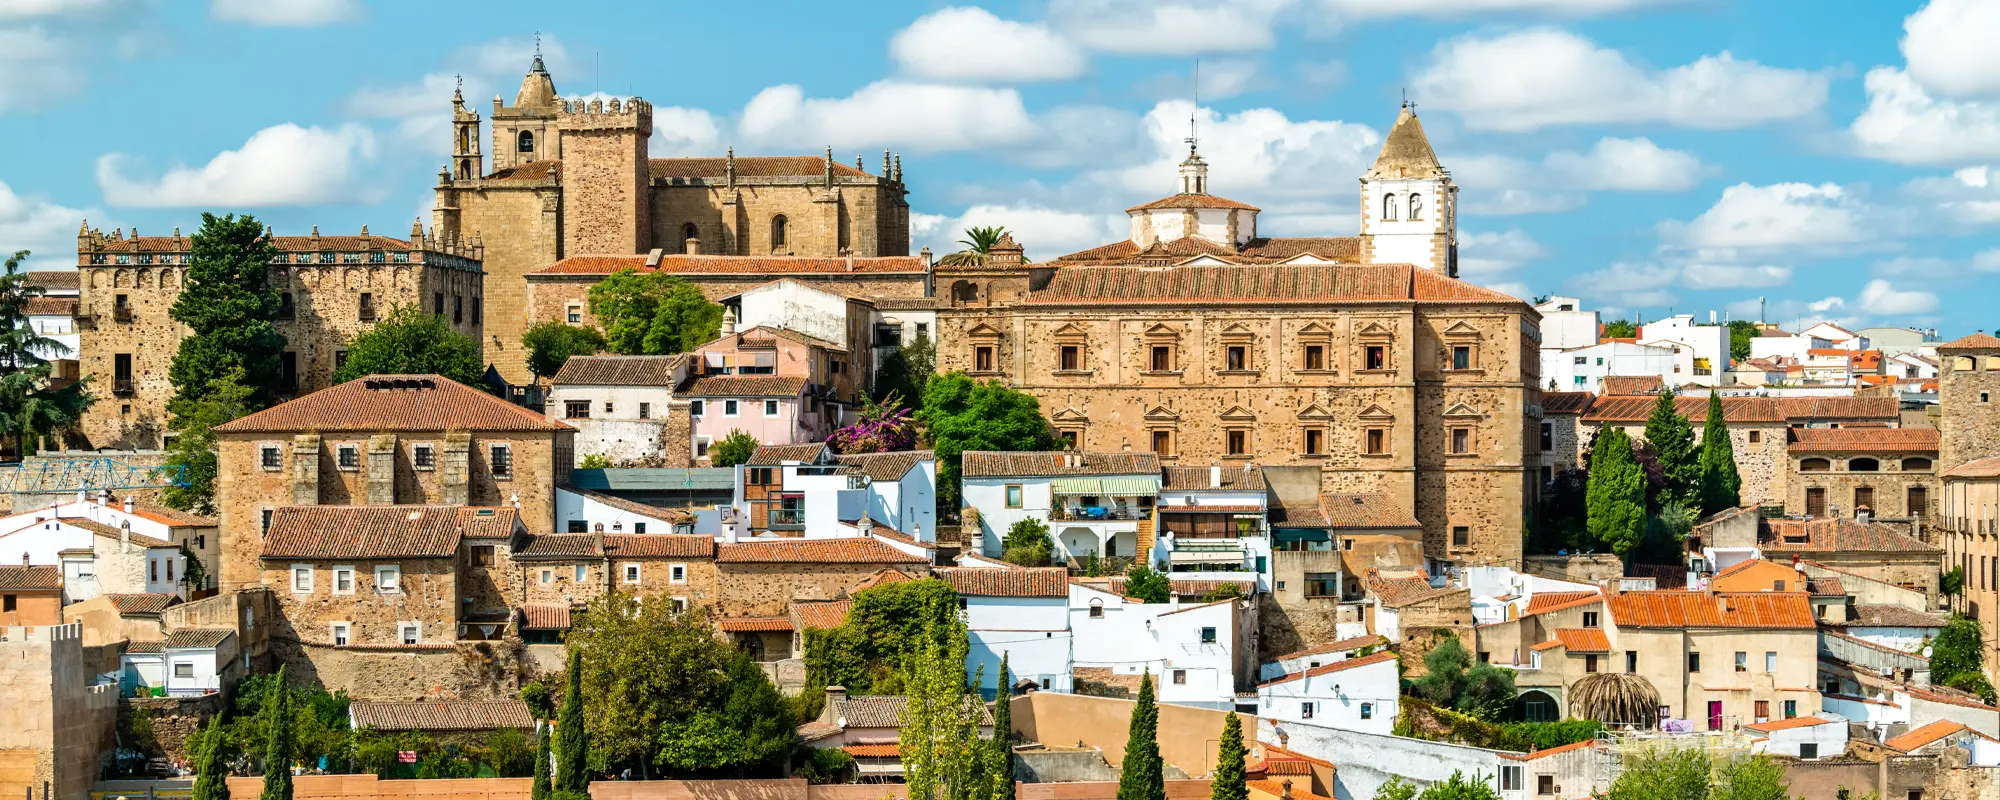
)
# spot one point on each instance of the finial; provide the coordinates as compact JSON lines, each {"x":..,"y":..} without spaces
{"x":85,"y":229}
{"x":857,"y":163}
{"x":177,"y":231}
{"x":315,"y":231}
{"x":364,"y":231}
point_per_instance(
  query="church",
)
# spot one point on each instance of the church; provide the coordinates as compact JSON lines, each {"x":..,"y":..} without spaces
{"x":1201,"y":340}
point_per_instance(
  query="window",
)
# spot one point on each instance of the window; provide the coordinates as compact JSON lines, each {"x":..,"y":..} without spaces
{"x":762,"y":476}
{"x":1315,"y":357}
{"x":1461,"y":441}
{"x":575,"y":313}
{"x":1239,"y":442}
{"x":1315,"y":441}
{"x":343,"y":580}
{"x":424,"y":456}
{"x":340,"y":631}
{"x":677,"y":573}
{"x":152,"y":570}
{"x":1590,"y":619}
{"x":638,"y":527}
{"x":1545,"y":784}
{"x":1548,"y":436}
{"x":729,"y":408}
{"x":770,"y":408}
{"x":501,"y":458}
{"x":680,"y":604}
{"x":1162,"y":358}
{"x":1389,"y":208}
{"x":1208,"y":636}
{"x":1236,"y":357}
{"x":121,"y":373}
{"x":1756,"y":436}
{"x":1590,"y":662}
{"x":1013,"y":495}
{"x":645,"y":410}
{"x":1305,"y":710}
{"x":1770,"y":661}
{"x":631,"y":573}
{"x":1694,"y":662}
{"x":1809,"y":750}
{"x":482,"y":555}
{"x":8,"y":603}
{"x":270,"y":458}
{"x":437,"y":303}
{"x":287,"y":307}
{"x":367,"y":307}
{"x":1180,"y":677}
{"x":1096,"y":608}
{"x":475,"y":309}
{"x":582,"y":572}
{"x":579,"y":526}
{"x":576,"y":409}
{"x":526,"y":142}
{"x":1863,"y":465}
{"x":1864,"y":497}
{"x":288,"y":371}
{"x":266,"y":513}
{"x":778,"y":231}
{"x":1791,"y":709}
{"x":348,"y":456}
{"x":1376,"y":357}
{"x":1815,"y":502}
{"x":1377,"y":441}
{"x":695,"y":408}
{"x":548,"y":577}
{"x":183,"y":669}
{"x":1461,"y":536}
{"x":1367,"y":710}
{"x":1631,"y":661}
{"x":1917,"y":502}
{"x":1742,"y":661}
{"x":1461,"y":357}
{"x":1070,"y":358}
{"x":1416,"y":206}
{"x":411,"y":632}
{"x":982,"y":358}
{"x":1163,"y":443}
{"x":1510,"y":774}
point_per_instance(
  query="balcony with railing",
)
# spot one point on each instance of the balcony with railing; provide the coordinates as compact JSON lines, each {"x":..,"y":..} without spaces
{"x":121,"y":314}
{"x":1114,"y":512}
{"x":782,"y":519}
{"x":121,"y":386}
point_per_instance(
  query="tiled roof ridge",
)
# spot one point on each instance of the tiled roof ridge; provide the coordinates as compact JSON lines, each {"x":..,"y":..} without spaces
{"x":366,"y":403}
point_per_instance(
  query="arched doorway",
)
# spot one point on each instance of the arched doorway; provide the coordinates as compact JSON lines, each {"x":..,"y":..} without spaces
{"x":1535,"y":705}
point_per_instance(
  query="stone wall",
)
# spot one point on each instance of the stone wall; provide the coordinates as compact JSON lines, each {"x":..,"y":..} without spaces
{"x":767,"y":590}
{"x":428,"y":596}
{"x":1187,"y":734}
{"x":1891,"y":484}
{"x":160,"y":726}
{"x":490,"y":670}
{"x":606,"y":199}
{"x":519,"y":224}
{"x":55,"y":731}
{"x":1759,"y":447}
{"x":738,"y":221}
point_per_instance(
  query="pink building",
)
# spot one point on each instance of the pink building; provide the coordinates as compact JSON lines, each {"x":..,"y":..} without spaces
{"x":773,"y":383}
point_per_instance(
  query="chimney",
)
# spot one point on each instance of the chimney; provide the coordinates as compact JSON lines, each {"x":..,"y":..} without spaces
{"x":728,"y":320}
{"x":692,"y":246}
{"x":128,"y":504}
{"x":1287,"y":789}
{"x":125,"y":535}
{"x":1174,"y":599}
{"x":835,"y":695}
{"x":1215,"y":476}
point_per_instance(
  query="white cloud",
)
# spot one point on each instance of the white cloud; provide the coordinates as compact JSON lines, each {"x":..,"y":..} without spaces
{"x":1731,"y":276}
{"x":1969,"y":195}
{"x":39,"y":9}
{"x":280,"y":165}
{"x":1949,"y":46}
{"x":1987,"y":260}
{"x":1504,"y":185}
{"x":904,"y":116}
{"x":286,"y":13}
{"x":1489,"y":255}
{"x":1629,"y":285}
{"x":1881,"y":298}
{"x":1544,"y":76}
{"x":1256,"y":151}
{"x":35,"y":68}
{"x":1904,"y":124}
{"x":969,"y":44}
{"x":1783,"y":215}
{"x":1362,"y":9}
{"x":1172,"y":27}
{"x":1043,"y":232}
{"x":679,"y":132}
{"x":41,"y":226}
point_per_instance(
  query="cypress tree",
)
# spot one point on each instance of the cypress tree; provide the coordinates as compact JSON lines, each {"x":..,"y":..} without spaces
{"x":1142,"y":776}
{"x":540,"y":789}
{"x":229,"y":307}
{"x":1002,"y":767}
{"x":1672,"y":440}
{"x":1721,"y":486}
{"x":278,"y":741}
{"x":1616,"y":494}
{"x":572,"y":754}
{"x":1228,"y":782}
{"x":211,"y":780}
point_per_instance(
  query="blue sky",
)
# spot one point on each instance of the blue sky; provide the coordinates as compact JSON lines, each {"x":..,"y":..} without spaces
{"x":1839,"y":158}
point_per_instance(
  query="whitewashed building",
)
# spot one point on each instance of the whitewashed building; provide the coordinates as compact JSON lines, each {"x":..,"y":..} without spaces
{"x":1213,"y":524}
{"x":619,"y":405}
{"x":1093,"y":503}
{"x":189,"y":662}
{"x":1356,"y":694}
{"x":196,"y":533}
{"x":1706,"y":346}
{"x":1191,"y":650}
{"x":1584,"y":369}
{"x":97,"y":558}
{"x":1020,"y":613}
{"x":805,"y":488}
{"x":586,"y":511}
{"x":1823,"y":736}
{"x":1566,"y":325}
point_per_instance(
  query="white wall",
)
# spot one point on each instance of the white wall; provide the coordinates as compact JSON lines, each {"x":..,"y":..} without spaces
{"x":1908,"y":640}
{"x":989,"y":496}
{"x":1708,"y":341}
{"x":571,"y":505}
{"x":1033,"y":632}
{"x":795,"y":306}
{"x":1565,"y":330}
{"x":1610,"y":358}
{"x":60,"y":328}
{"x":1134,"y":637}
{"x":205,"y":679}
{"x":1403,"y":240}
{"x":119,"y":567}
{"x":619,"y":434}
{"x":1793,"y":347}
{"x":1367,"y":760}
{"x":909,"y":505}
{"x":1337,"y":699}
{"x":1831,"y":738}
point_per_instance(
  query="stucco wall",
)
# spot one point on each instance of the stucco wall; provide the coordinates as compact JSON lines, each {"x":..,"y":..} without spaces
{"x":1188,"y":735}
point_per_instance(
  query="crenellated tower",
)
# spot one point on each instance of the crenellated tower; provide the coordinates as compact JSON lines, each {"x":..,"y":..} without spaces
{"x":607,"y":180}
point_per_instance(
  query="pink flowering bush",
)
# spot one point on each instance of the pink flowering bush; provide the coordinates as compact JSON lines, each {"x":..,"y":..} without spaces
{"x":882,"y":427}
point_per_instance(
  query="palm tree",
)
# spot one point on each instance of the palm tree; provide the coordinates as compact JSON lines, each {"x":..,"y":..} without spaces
{"x":977,"y":242}
{"x":1617,"y":699}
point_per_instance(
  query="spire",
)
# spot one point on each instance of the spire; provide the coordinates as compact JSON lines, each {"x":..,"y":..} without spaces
{"x":537,"y":66}
{"x":458,"y":93}
{"x":829,"y":166}
{"x":1406,"y":152}
{"x":729,"y":169}
{"x":538,"y":90}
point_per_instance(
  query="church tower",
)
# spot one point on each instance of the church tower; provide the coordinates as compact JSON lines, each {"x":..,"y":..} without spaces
{"x":1409,"y":206}
{"x":526,"y":132}
{"x":466,"y":162}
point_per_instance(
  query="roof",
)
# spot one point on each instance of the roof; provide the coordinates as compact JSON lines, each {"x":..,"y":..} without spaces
{"x":813,"y":167}
{"x":746,"y":386}
{"x":55,"y":279}
{"x":101,"y":529}
{"x":1545,"y":602}
{"x":859,"y":550}
{"x":559,"y":545}
{"x":1877,"y":408}
{"x":1566,"y":402}
{"x":1544,"y":753}
{"x":1256,"y":251}
{"x":1004,"y":582}
{"x":320,"y":532}
{"x":1584,"y":640}
{"x":545,"y":616}
{"x":1877,"y":616}
{"x":820,"y":613}
{"x":1259,"y":284}
{"x":314,"y":242}
{"x":1365,"y":511}
{"x":1840,"y":534}
{"x":1686,"y":609}
{"x":882,"y":577}
{"x":1977,"y":341}
{"x":1943,"y":694}
{"x":197,"y":638}
{"x":1749,"y":409}
{"x":1979,"y":468}
{"x":49,"y":306}
{"x":771,"y":455}
{"x":1400,"y":592}
{"x":1341,"y":646}
{"x":441,"y":715}
{"x":888,"y":750}
{"x":1187,"y":587}
{"x":776,"y":266}
{"x":1406,"y":151}
{"x":753,"y":624}
{"x":1197,"y":479}
{"x":659,"y":545}
{"x":1925,"y":735}
{"x":1384,"y":656}
{"x":171,"y":517}
{"x":1865,"y":440}
{"x":1632,"y":384}
{"x":530,"y":171}
{"x":1191,"y":200}
{"x":382,"y":403}
{"x":1278,"y":789}
{"x":145,"y":647}
{"x":17,"y":577}
{"x":883,"y":711}
{"x":887,"y":466}
{"x":763,"y":334}
{"x":995,"y":464}
{"x":668,"y":515}
{"x":154,"y":603}
{"x":654,"y":479}
{"x":620,"y":370}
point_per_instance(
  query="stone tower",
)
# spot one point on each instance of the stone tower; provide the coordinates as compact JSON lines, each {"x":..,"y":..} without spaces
{"x":607,"y":177}
{"x":1409,"y":206}
{"x":466,"y":162}
{"x":526,"y":131}
{"x":1968,"y":399}
{"x":1194,"y":172}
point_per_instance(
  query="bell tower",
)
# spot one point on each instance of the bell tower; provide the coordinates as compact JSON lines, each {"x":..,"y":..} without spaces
{"x":1409,"y":206}
{"x":466,"y":162}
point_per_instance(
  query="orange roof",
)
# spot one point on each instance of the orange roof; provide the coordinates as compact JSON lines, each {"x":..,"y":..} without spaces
{"x":380,"y":403}
{"x":1337,"y":666}
{"x":882,"y":577}
{"x":1185,"y":200}
{"x":891,"y":750}
{"x":1258,"y":284}
{"x":814,"y":551}
{"x":1545,"y":602}
{"x":735,"y":624}
{"x":1787,"y":724}
{"x":1549,"y":752}
{"x":1006,"y":582}
{"x":826,"y":614}
{"x":681,"y":264}
{"x":1685,"y":609}
{"x":1978,"y":341}
{"x":1277,"y":789}
{"x":1632,"y":384}
{"x":1840,"y":534}
{"x":1343,"y":645}
{"x":1925,"y":735}
{"x":1981,"y":468}
{"x":1566,"y":402}
{"x":1584,"y":640}
{"x":1864,"y":440}
{"x":1548,"y":645}
{"x":330,"y":532}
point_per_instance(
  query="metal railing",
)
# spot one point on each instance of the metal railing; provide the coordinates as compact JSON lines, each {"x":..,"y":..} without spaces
{"x":1110,"y":514}
{"x":121,"y":314}
{"x":121,"y":386}
{"x":786,"y":517}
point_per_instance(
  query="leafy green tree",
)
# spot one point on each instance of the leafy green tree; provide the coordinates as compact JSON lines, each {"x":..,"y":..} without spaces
{"x":195,"y":416}
{"x":1741,"y":332}
{"x":229,"y":307}
{"x":538,"y":698}
{"x":1750,"y":778}
{"x":550,"y":345}
{"x":32,"y":406}
{"x":1229,"y":780}
{"x":885,"y":627}
{"x":211,"y":780}
{"x":1395,"y":789}
{"x":1957,"y":657}
{"x":1481,"y":691}
{"x":1721,"y":486}
{"x":734,"y":449}
{"x":1952,"y":582}
{"x":1142,"y":776}
{"x":1620,"y":329}
{"x":1460,"y":787}
{"x":508,"y":753}
{"x":908,"y":372}
{"x":941,"y":751}
{"x":278,"y":742}
{"x":1001,"y":750}
{"x":541,"y":788}
{"x":1680,"y":774}
{"x":572,"y":744}
{"x":1616,"y":494}
{"x":747,"y":735}
{"x":961,"y":414}
{"x":1672,"y":441}
{"x":595,"y":461}
{"x":1028,"y":543}
{"x":1143,"y":582}
{"x":652,"y":313}
{"x":412,"y":341}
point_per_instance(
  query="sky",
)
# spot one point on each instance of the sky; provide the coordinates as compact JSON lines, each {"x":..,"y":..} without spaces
{"x":1787,"y":160}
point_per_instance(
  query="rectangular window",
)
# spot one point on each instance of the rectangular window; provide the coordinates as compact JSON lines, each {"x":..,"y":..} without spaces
{"x":638,"y":527}
{"x":729,"y":408}
{"x":1367,"y":710}
{"x":1376,"y":357}
{"x":267,"y":514}
{"x":367,"y":307}
{"x":1809,"y":750}
{"x":548,"y":577}
{"x":1239,"y":443}
{"x":1590,"y":619}
{"x":1208,"y":636}
{"x":608,"y":406}
{"x":1548,"y":436}
{"x":579,"y":526}
{"x":770,"y":408}
{"x":1770,"y":661}
{"x":1378,"y":441}
{"x":575,"y":314}
{"x":695,"y":408}
{"x":1545,"y":784}
{"x":1631,"y":661}
{"x":1180,"y":677}
{"x":1756,"y":436}
{"x":1590,"y":662}
{"x":152,"y":570}
{"x":1791,"y":709}
{"x":412,"y":633}
{"x":1315,"y":357}
{"x":576,"y":409}
{"x":482,"y":555}
{"x":677,"y":573}
{"x":1163,"y":443}
{"x":425,"y":456}
{"x":270,"y":457}
{"x":288,"y":371}
{"x":348,"y":457}
{"x":1461,"y":441}
{"x":339,"y":631}
{"x":1305,"y":710}
{"x":183,"y":669}
{"x":343,"y":580}
{"x":1163,"y":358}
{"x":982,"y":359}
{"x":1864,"y":497}
{"x":1315,"y":441}
{"x":1742,"y":661}
{"x":1070,"y":358}
{"x":437,"y":303}
{"x":501,"y":458}
{"x":631,"y":573}
{"x":1013,"y":495}
{"x":457,"y":309}
{"x":1461,"y":357}
{"x":8,"y":603}
{"x":1461,"y":536}
{"x":582,"y":572}
{"x":1510,"y":778}
{"x":645,"y":410}
{"x":1236,"y":357}
{"x":1694,"y":662}
{"x":1762,"y":710}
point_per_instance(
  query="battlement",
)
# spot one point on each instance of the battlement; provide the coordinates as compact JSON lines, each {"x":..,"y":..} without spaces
{"x":41,"y":634}
{"x":95,"y":248}
{"x":578,"y":115}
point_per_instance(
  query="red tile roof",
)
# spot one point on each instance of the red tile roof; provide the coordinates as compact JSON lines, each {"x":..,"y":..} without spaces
{"x":780,"y":386}
{"x":753,"y":624}
{"x":1259,"y":284}
{"x":324,"y":532}
{"x":776,"y":266}
{"x":1887,"y":409}
{"x":1977,"y":341}
{"x":1545,"y":602}
{"x":619,"y":370}
{"x":545,"y":617}
{"x":1584,"y":640}
{"x":1633,"y":384}
{"x":1631,"y":409}
{"x":1981,"y":468}
{"x":891,"y":466}
{"x":531,"y":171}
{"x":1264,"y":251}
{"x":16,"y":577}
{"x":1384,"y":656}
{"x":1685,"y":609}
{"x":1566,"y":402}
{"x":820,"y":613}
{"x":49,"y":306}
{"x":882,"y":577}
{"x":1185,"y":200}
{"x":771,"y":455}
{"x":659,"y":545}
{"x":56,"y":279}
{"x":814,"y":551}
{"x":813,"y":167}
{"x":1839,"y":534}
{"x":559,"y":546}
{"x":997,"y":464}
{"x":1365,"y":511}
{"x":1925,"y":735}
{"x":441,"y":716}
{"x":1007,"y":582}
{"x":380,"y":403}
{"x":1550,"y":751}
{"x":194,"y":638}
{"x":1865,"y":440}
{"x":1197,"y":479}
{"x":873,"y":750}
{"x":1881,"y":616}
{"x":101,"y":529}
{"x":153,"y":603}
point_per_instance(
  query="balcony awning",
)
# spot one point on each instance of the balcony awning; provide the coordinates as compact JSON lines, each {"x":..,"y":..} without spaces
{"x":1218,"y":556}
{"x":1122,"y":486}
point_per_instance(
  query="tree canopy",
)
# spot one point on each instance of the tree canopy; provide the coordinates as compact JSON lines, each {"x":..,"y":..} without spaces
{"x":551,"y":344}
{"x":1721,"y":486}
{"x":734,"y":449}
{"x":1674,"y":774}
{"x":412,"y":341}
{"x":1142,"y":775}
{"x":1454,"y":681}
{"x":1228,"y":782}
{"x":1028,"y":543}
{"x":278,"y":741}
{"x":1957,"y":657}
{"x":32,"y":405}
{"x":229,"y":307}
{"x":961,"y":414}
{"x":1741,"y":332}
{"x":195,"y":417}
{"x":1620,"y":329}
{"x":1616,"y":495}
{"x":653,"y":313}
{"x":1672,"y":441}
{"x":866,"y":654}
{"x":1143,"y":582}
{"x":943,"y":756}
{"x":907,"y":372}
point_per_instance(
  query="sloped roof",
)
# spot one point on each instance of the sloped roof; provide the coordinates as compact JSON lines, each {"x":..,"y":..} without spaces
{"x":545,"y":616}
{"x":1365,"y":511}
{"x":381,"y":403}
{"x":1259,"y":284}
{"x":884,"y":711}
{"x":1787,"y":724}
{"x":1566,"y":402}
{"x":453,"y":715}
{"x":559,"y":545}
{"x":667,"y":515}
{"x":997,"y":464}
{"x":1977,"y":341}
{"x":16,"y":577}
{"x":1545,"y":602}
{"x":1925,"y":735}
{"x":1887,"y":409}
{"x":771,"y":455}
{"x":1883,"y":616}
{"x":1007,"y":582}
{"x":859,"y":550}
{"x":530,"y":171}
{"x":779,"y":386}
{"x":1864,"y":440}
{"x":1584,"y":640}
{"x":196,"y":638}
{"x":1191,"y":200}
{"x":1196,"y":479}
{"x":55,"y":279}
{"x":1687,"y":609}
{"x":1406,"y":151}
{"x":1186,"y":587}
{"x":1343,"y":665}
{"x":619,"y":370}
{"x":1256,"y":251}
{"x":100,"y":529}
{"x":1840,"y":534}
{"x":753,"y":624}
{"x":887,"y":466}
{"x":1632,"y":384}
{"x":681,"y":264}
{"x":819,"y":613}
{"x":1629,"y":409}
{"x":659,"y":545}
{"x":153,"y":603}
{"x":322,"y":532}
{"x":1979,"y":468}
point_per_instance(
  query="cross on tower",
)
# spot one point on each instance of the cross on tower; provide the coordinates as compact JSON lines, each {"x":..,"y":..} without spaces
{"x":538,"y":44}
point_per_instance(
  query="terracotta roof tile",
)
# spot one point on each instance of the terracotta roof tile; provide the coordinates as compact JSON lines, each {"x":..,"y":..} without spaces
{"x":1879,"y":616}
{"x":771,"y":455}
{"x":820,"y":613}
{"x":143,"y":603}
{"x":545,"y":616}
{"x":882,"y":577}
{"x":775,"y":266}
{"x":813,"y":167}
{"x":1980,"y":468}
{"x":170,"y":244}
{"x":679,"y":516}
{"x":1865,"y":440}
{"x":997,"y":464}
{"x":1633,"y":385}
{"x":1685,"y":609}
{"x":382,"y":403}
{"x":779,"y":386}
{"x":1278,"y":789}
{"x":56,"y":279}
{"x":1190,"y":587}
{"x":873,"y":750}
{"x":1630,"y":409}
{"x":1002,"y":582}
{"x":1365,"y":511}
{"x":1550,"y":751}
{"x":1977,"y":341}
{"x":1545,"y":602}
{"x":171,"y":517}
{"x":1566,"y":402}
{"x":1196,"y":479}
{"x":814,"y":551}
{"x":659,"y":545}
{"x":753,"y":624}
{"x":325,"y":532}
{"x":1384,"y":656}
{"x":1258,"y":284}
{"x":1185,"y":200}
{"x":49,"y":306}
{"x":1839,"y":534}
{"x":101,"y":529}
{"x":196,"y":638}
{"x":441,"y":716}
{"x":1925,"y":735}
{"x":531,"y":171}
{"x":884,"y":711}
{"x":1886,"y":409}
{"x":559,"y":546}
{"x":619,"y":370}
{"x":154,"y":646}
{"x":16,"y":577}
{"x":1584,"y":640}
{"x":887,"y":466}
{"x":1331,"y":248}
{"x":1942,"y":694}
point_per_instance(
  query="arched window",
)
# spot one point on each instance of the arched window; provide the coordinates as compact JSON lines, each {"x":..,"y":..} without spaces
{"x":1388,"y":208}
{"x":1814,"y":465}
{"x":527,"y":141}
{"x":778,"y":232}
{"x":689,"y":231}
{"x":1416,"y":206}
{"x":965,"y":291}
{"x":1916,"y":464}
{"x":1863,"y":465}
{"x":1993,"y":362}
